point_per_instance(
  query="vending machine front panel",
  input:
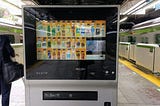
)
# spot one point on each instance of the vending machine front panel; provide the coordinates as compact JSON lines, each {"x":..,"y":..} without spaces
{"x":70,"y":43}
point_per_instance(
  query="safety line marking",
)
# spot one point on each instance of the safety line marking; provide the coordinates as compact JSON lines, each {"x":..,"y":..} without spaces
{"x":149,"y":77}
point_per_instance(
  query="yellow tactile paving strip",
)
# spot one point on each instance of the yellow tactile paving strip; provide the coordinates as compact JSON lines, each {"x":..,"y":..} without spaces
{"x":147,"y":76}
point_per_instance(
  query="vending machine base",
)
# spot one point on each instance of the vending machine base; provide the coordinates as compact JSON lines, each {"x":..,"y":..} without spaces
{"x":57,"y":94}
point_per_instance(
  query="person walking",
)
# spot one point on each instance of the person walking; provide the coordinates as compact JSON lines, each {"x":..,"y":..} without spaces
{"x":6,"y":52}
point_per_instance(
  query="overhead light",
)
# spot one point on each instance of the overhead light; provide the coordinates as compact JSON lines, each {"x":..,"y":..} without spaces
{"x":133,"y":7}
{"x":29,"y":2}
{"x":17,"y":3}
{"x":14,"y":26}
{"x":125,"y":18}
{"x":11,"y":8}
{"x":147,"y":26}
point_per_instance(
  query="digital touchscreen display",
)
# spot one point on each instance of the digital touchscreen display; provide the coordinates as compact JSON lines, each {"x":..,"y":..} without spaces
{"x":71,"y":39}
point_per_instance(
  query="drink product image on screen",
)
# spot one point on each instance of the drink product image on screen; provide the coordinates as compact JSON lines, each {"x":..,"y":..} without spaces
{"x":71,"y":39}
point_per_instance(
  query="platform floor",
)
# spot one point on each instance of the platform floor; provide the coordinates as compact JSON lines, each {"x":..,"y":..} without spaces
{"x":133,"y":90}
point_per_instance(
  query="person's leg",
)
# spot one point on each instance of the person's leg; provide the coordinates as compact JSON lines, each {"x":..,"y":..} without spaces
{"x":5,"y":89}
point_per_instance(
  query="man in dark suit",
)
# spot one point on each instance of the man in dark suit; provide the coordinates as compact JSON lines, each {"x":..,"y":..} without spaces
{"x":6,"y":52}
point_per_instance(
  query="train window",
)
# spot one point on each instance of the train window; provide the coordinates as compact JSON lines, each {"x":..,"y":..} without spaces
{"x":157,"y":38}
{"x":146,"y":39}
{"x":142,"y":40}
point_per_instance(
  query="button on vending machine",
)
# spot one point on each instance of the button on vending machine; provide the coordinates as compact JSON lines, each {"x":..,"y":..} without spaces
{"x":71,"y":55}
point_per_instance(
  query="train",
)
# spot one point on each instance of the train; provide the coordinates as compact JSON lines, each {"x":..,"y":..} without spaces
{"x":141,"y":46}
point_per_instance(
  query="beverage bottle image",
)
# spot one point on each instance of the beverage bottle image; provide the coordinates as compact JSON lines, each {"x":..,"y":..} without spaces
{"x":68,"y":55}
{"x":44,"y":54}
{"x":53,"y":30}
{"x":58,"y":30}
{"x":73,"y":29}
{"x":78,"y":30}
{"x":44,"y":45}
{"x":68,"y":29}
{"x":98,"y":31}
{"x":73,"y":54}
{"x":63,"y":30}
{"x":54,"y":54}
{"x":49,"y":54}
{"x":82,"y":55}
{"x":48,"y":30}
{"x":58,"y":43}
{"x":73,"y":43}
{"x":63,"y":54}
{"x":39,"y":55}
{"x":82,"y":30}
{"x":39,"y":43}
{"x":49,"y":43}
{"x":92,"y":29}
{"x":103,"y":30}
{"x":63,"y":43}
{"x":88,"y":30}
{"x":54,"y":43}
{"x":59,"y":54}
{"x":78,"y":55}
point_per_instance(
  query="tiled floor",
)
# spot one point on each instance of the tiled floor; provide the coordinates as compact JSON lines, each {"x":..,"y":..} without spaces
{"x":133,"y":90}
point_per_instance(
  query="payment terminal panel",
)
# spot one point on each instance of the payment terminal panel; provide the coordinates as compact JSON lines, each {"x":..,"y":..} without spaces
{"x":71,"y":55}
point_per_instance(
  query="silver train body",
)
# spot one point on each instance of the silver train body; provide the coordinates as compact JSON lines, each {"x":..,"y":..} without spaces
{"x":144,"y":52}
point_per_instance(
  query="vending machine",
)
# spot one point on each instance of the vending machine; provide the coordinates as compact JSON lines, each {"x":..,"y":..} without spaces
{"x":71,"y":55}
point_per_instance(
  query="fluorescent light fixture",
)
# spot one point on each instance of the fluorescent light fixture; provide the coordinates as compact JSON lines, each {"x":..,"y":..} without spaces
{"x":153,"y":22}
{"x":147,"y":26}
{"x":11,"y":8}
{"x":17,"y":3}
{"x":133,"y":7}
{"x":14,"y":26}
{"x":125,"y":18}
{"x":150,"y":5}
